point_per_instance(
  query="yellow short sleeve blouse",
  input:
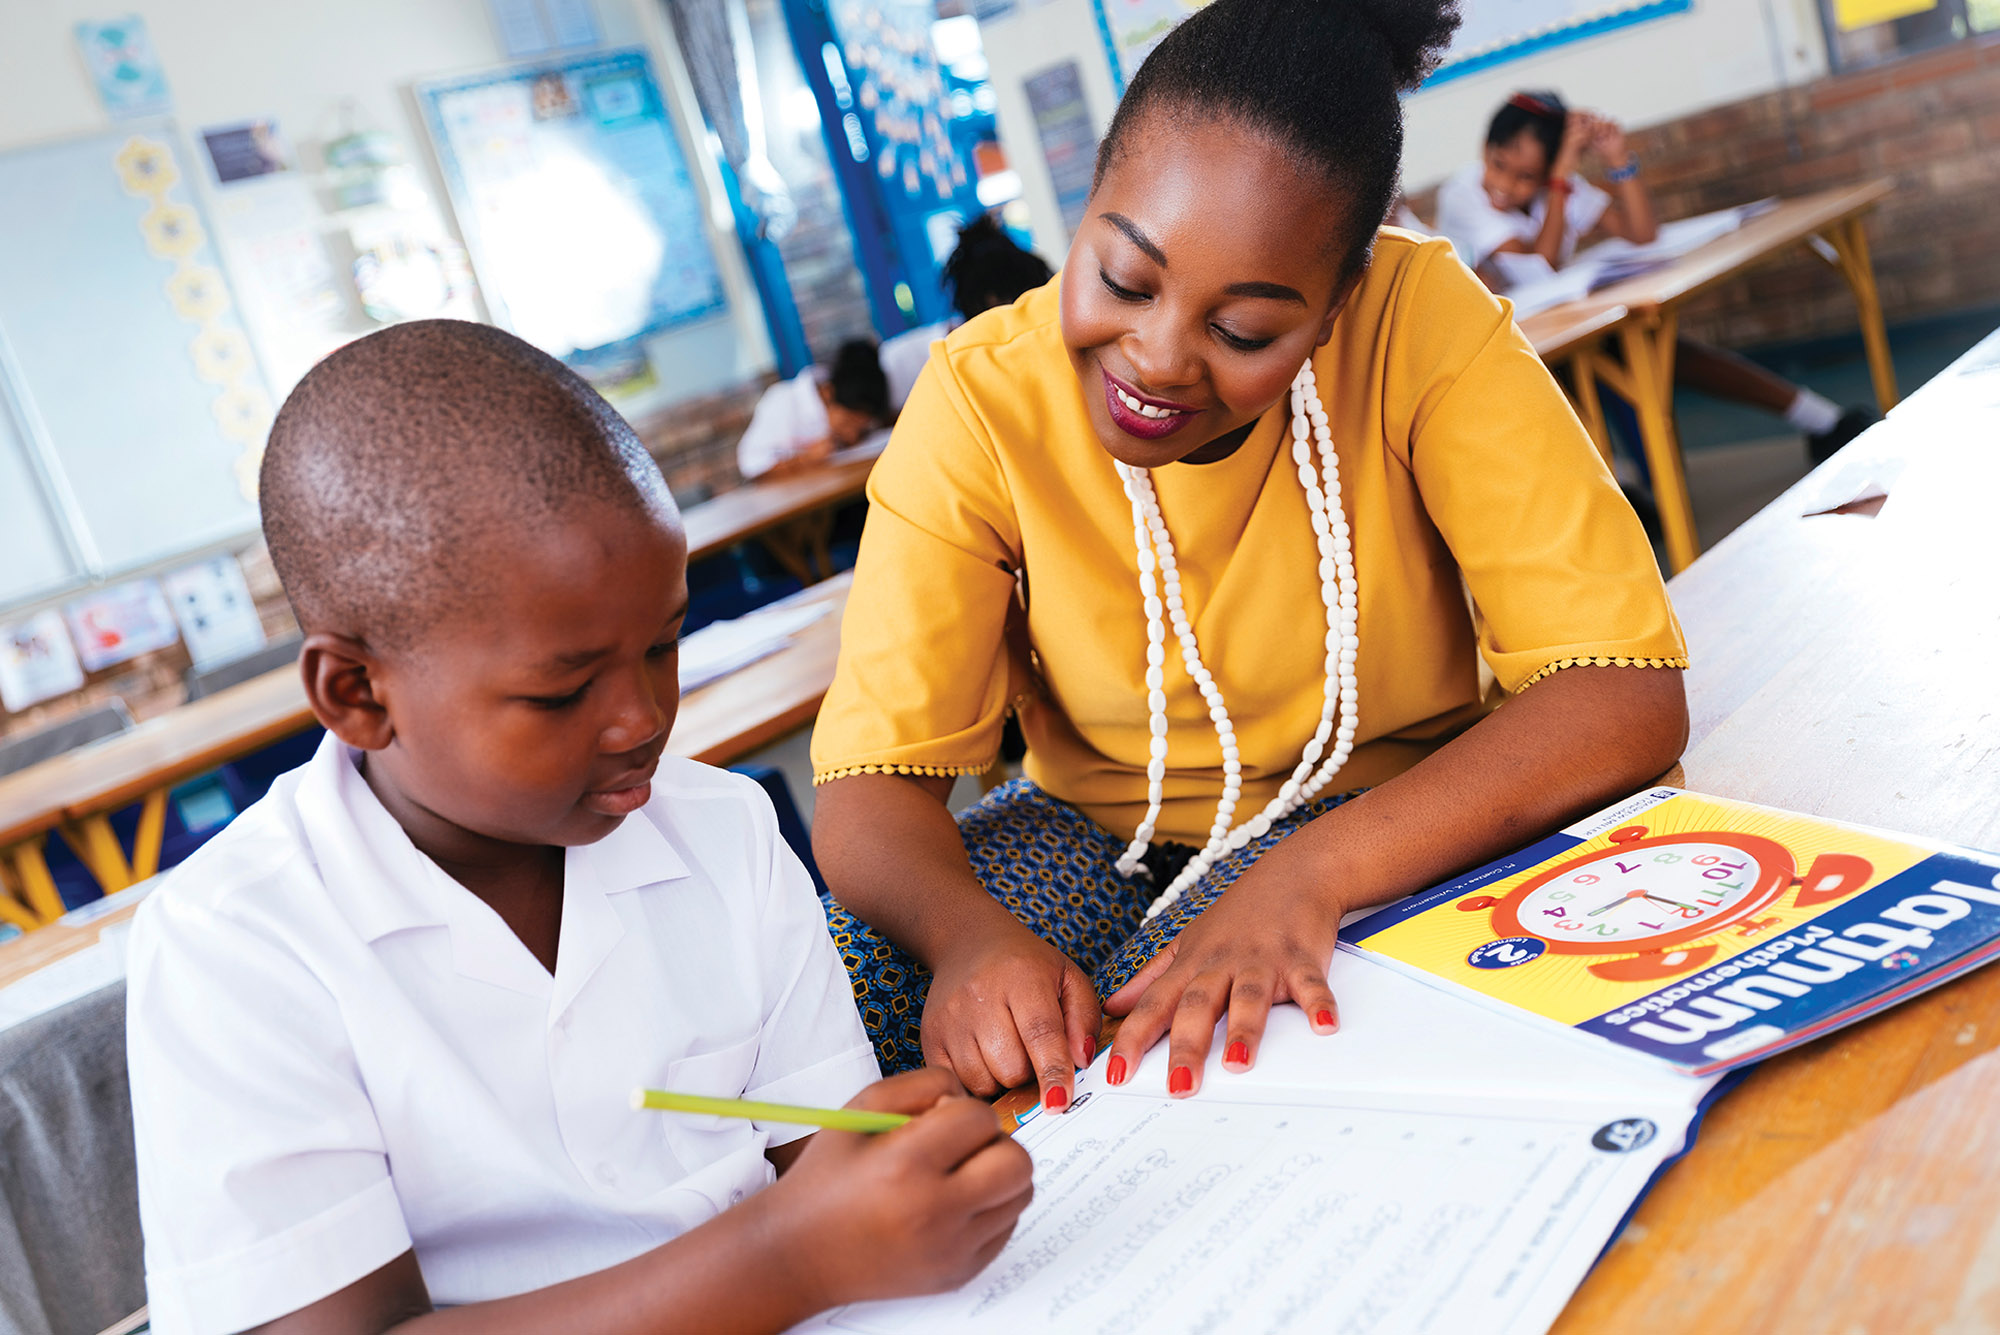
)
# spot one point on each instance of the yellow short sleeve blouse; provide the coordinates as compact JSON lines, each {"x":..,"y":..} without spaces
{"x":1484,"y":524}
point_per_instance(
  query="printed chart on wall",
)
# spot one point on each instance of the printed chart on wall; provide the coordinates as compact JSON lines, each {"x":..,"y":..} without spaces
{"x":575,"y":199}
{"x":1492,"y":32}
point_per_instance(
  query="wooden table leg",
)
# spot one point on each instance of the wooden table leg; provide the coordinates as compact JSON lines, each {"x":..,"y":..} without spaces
{"x":150,"y":835}
{"x":1648,"y":347}
{"x":96,"y":845}
{"x":32,"y":869}
{"x":1850,"y":246}
{"x":1589,"y":405}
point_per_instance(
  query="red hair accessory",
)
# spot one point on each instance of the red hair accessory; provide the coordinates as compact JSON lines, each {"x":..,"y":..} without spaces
{"x":1531,"y":104}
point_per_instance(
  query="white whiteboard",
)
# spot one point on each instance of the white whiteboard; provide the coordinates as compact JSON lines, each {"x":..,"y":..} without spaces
{"x":131,"y":406}
{"x":1493,"y":32}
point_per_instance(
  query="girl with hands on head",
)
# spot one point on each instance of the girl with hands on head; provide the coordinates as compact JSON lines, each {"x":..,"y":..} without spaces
{"x":1204,"y":514}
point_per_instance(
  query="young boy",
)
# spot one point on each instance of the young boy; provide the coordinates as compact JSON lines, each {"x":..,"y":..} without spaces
{"x":384,"y":1030}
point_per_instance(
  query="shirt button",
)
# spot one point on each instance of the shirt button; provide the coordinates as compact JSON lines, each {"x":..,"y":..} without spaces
{"x":736,"y":1197}
{"x":607,"y":1175}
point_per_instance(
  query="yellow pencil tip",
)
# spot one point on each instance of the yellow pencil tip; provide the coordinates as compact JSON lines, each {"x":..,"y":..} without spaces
{"x":638,"y":1100}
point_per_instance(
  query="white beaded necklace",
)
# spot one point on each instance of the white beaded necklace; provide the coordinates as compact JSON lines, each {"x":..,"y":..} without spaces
{"x":1341,"y":705}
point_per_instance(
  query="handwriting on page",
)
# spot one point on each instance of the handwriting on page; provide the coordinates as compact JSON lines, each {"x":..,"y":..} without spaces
{"x":1208,"y":1217}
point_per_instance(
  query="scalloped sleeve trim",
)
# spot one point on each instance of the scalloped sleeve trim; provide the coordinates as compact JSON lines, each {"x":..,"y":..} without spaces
{"x":920,"y":771}
{"x":1551,"y":669}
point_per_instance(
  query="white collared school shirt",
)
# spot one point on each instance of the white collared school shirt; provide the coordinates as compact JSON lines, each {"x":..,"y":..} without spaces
{"x":338,"y":1052}
{"x":1466,"y":216}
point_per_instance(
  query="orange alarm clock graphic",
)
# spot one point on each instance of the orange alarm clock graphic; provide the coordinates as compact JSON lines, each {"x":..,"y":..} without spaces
{"x":1658,"y":896}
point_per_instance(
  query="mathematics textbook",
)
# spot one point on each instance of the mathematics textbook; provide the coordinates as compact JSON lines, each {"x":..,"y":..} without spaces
{"x":1702,"y":932}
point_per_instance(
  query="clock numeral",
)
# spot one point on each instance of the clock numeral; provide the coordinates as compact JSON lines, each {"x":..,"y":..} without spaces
{"x":1687,"y":912}
{"x":1564,"y":896}
{"x":1622,"y":867}
{"x":1605,"y":929}
{"x":1654,"y":926}
{"x":1721,"y":873}
{"x":1668,"y":858}
{"x":1556,"y":913}
{"x":1583,"y":878}
{"x":1734,"y":885}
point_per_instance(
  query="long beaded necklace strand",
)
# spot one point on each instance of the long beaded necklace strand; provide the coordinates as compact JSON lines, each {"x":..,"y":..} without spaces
{"x":1340,"y":707}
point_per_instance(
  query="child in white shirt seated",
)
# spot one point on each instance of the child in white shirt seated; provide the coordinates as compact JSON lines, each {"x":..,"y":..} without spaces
{"x":1526,"y":196}
{"x":804,"y":420}
{"x":384,"y":1030}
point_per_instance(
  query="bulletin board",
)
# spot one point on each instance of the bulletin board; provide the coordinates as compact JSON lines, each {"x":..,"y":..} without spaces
{"x":132,"y":410}
{"x":575,"y":201}
{"x":1493,"y":32}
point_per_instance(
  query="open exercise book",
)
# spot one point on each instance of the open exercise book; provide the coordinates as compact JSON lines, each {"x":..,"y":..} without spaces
{"x":1457,"y":1156}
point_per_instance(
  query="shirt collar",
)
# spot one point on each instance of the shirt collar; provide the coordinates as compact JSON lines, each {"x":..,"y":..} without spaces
{"x":384,"y":884}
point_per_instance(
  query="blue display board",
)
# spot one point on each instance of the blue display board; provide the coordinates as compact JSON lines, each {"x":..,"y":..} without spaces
{"x":1493,"y":31}
{"x":575,"y":201}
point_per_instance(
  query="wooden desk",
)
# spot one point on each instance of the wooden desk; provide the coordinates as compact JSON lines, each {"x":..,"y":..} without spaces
{"x":1829,"y":223}
{"x":763,"y":509}
{"x":1845,"y":666}
{"x":76,"y":793}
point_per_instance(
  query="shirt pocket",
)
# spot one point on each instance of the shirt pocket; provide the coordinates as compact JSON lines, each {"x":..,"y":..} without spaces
{"x":698,"y":1139}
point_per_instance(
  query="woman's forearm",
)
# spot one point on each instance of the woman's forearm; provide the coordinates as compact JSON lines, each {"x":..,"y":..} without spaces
{"x":1560,"y":749}
{"x":891,"y":853}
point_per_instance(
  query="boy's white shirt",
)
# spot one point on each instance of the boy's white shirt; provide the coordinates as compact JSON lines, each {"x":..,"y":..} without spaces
{"x":1466,"y":216}
{"x":790,"y":415}
{"x":337,"y":1052}
{"x":903,"y":357}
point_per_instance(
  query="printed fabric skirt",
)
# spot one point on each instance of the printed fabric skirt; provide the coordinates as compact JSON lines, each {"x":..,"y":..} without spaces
{"x":1052,"y":866}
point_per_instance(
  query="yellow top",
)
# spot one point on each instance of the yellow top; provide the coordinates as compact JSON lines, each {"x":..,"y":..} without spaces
{"x":1464,"y":474}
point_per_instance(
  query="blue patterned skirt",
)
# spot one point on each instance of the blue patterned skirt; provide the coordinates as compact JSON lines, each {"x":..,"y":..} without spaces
{"x":1052,"y":866}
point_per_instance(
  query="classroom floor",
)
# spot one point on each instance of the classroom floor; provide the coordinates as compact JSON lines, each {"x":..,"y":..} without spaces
{"x":1738,"y":460}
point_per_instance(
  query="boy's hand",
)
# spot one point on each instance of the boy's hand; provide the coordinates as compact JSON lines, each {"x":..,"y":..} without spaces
{"x":1010,"y":1009}
{"x":920,"y":1209}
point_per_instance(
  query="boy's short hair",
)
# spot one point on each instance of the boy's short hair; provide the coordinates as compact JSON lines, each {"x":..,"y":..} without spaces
{"x":403,"y":465}
{"x":858,"y":379}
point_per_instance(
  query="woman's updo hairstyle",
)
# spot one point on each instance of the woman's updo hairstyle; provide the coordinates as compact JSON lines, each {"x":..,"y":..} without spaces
{"x":1541,"y":114}
{"x":1322,"y":78}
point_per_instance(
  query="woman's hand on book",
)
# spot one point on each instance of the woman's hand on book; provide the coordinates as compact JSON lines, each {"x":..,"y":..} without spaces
{"x":1267,"y":939}
{"x":920,"y":1209}
{"x":1008,"y":1009}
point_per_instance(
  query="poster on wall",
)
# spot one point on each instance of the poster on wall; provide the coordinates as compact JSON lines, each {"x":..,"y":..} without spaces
{"x":217,"y":615}
{"x":37,"y":661}
{"x":128,"y":75}
{"x":1069,"y":139}
{"x":570,"y":187}
{"x":116,"y":624}
{"x":1492,"y":32}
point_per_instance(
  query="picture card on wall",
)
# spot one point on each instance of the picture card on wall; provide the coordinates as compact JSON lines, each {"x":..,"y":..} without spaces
{"x":217,"y":614}
{"x":112,"y":625}
{"x":37,"y":661}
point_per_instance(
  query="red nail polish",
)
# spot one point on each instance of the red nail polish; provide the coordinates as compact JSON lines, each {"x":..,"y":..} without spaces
{"x":1056,"y":1099}
{"x":1114,"y":1069}
{"x":1324,"y":1019}
{"x":1180,"y":1081}
{"x":1238,"y":1054}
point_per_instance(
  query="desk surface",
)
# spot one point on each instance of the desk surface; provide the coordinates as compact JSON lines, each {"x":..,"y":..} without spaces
{"x":757,"y":506}
{"x":1792,"y":221}
{"x":717,"y":724}
{"x":1844,"y":666}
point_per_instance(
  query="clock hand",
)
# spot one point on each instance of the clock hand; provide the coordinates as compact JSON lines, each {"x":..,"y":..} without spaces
{"x":1629,"y":894}
{"x":1664,"y":900}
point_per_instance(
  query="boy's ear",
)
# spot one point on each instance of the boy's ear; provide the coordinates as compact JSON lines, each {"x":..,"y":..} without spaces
{"x":340,"y":685}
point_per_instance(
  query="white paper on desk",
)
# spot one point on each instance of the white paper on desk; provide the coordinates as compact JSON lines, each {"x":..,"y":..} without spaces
{"x":1432,"y":1167}
{"x":715,"y":651}
{"x":1533,"y":286}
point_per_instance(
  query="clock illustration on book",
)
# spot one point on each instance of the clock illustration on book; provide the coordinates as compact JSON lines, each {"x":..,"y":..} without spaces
{"x":1656,"y":898}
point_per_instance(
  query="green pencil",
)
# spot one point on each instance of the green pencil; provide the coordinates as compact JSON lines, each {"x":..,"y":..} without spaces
{"x":835,"y":1119}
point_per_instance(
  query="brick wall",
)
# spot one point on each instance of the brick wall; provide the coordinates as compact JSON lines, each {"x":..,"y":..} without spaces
{"x":1930,"y":122}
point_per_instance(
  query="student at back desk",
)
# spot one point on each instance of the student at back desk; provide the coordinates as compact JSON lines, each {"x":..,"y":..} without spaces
{"x":384,"y":1029}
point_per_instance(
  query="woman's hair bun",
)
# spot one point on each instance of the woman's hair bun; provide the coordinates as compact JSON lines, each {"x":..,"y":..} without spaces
{"x":1416,"y":32}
